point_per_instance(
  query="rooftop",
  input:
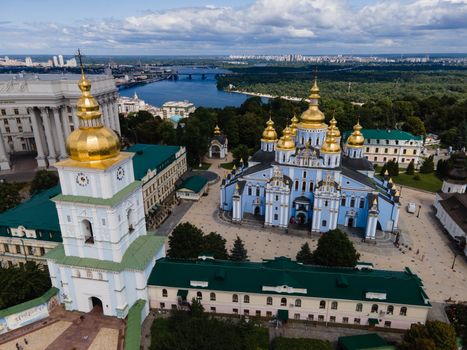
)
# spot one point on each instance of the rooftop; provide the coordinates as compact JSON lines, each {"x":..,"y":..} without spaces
{"x":179,"y":104}
{"x":401,"y":287}
{"x":51,"y":77}
{"x":194,"y":183}
{"x":455,"y":205}
{"x":385,"y":134}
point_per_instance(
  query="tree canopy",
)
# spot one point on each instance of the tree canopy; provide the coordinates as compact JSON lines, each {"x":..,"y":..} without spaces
{"x":43,"y":179}
{"x":305,"y":255}
{"x":433,"y":335}
{"x":238,"y":252}
{"x":9,"y":196}
{"x":335,"y":249}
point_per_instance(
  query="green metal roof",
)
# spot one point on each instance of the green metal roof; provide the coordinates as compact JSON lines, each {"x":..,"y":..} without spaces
{"x":363,"y":342}
{"x":385,"y":134}
{"x":116,"y":199}
{"x":29,"y":304}
{"x":136,"y":257}
{"x":194,"y":183}
{"x":133,"y":327}
{"x":150,"y":157}
{"x":402,"y":287}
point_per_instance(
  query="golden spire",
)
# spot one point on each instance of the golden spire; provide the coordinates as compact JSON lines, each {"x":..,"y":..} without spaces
{"x":294,"y":125}
{"x":217,"y":130}
{"x":92,"y":141}
{"x":234,"y":167}
{"x":313,"y":118}
{"x":269,"y":133}
{"x":330,"y":144}
{"x":356,"y":139}
{"x":386,"y":172}
{"x":333,"y":123}
{"x":286,"y":142}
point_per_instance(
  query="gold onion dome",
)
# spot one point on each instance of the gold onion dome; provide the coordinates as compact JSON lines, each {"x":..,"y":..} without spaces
{"x":294,"y":125}
{"x":286,"y":142}
{"x":92,"y":141}
{"x":356,"y":138}
{"x":313,"y":118}
{"x":333,"y":123}
{"x":330,"y":144}
{"x":217,"y":130}
{"x":269,"y":133}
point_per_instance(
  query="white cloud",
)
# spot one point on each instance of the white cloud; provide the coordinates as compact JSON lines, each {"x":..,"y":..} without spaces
{"x":264,"y":26}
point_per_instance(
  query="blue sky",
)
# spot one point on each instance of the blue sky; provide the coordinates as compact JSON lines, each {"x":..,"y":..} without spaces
{"x":233,"y":27}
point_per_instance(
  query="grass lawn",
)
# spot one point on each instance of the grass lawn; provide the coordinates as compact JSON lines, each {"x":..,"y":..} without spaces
{"x":227,"y":165}
{"x":204,"y":166}
{"x":427,"y":182}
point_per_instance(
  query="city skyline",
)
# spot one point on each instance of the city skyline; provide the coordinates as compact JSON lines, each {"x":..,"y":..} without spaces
{"x":186,"y":27}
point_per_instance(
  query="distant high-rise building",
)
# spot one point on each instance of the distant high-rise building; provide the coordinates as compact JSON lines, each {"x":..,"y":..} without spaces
{"x":71,"y":63}
{"x":55,"y":59}
{"x":61,"y":63}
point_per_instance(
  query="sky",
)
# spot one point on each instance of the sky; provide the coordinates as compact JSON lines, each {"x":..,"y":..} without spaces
{"x":220,"y":27}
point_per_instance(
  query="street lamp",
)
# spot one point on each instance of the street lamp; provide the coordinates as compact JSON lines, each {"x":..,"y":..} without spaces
{"x":419,"y":208}
{"x":454,"y":261}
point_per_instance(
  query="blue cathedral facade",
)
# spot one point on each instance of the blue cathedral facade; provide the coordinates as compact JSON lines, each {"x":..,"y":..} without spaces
{"x":306,"y":180}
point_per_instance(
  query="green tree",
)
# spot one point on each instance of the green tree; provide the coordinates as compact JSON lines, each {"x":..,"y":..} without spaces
{"x":280,"y":343}
{"x":415,"y":126}
{"x":442,"y":168}
{"x":167,"y":133}
{"x":392,"y":167}
{"x":239,"y":153}
{"x":428,"y":165}
{"x":9,"y":196}
{"x":437,"y":333}
{"x":335,"y":249}
{"x":185,"y":242}
{"x":411,"y":168}
{"x":238,"y":252}
{"x":305,"y":255}
{"x":214,"y":244}
{"x":43,"y":180}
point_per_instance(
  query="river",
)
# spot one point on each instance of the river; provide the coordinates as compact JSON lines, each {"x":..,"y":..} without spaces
{"x":203,"y":93}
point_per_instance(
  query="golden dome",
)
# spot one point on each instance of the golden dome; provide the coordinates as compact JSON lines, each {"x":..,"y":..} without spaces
{"x":92,"y":141}
{"x":286,"y":142}
{"x":313,"y":118}
{"x":269,"y":133}
{"x":217,"y":130}
{"x":330,"y":144}
{"x":356,"y":139}
{"x":294,"y":125}
{"x":333,"y":123}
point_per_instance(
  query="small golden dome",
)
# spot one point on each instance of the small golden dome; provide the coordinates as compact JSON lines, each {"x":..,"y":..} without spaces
{"x":217,"y":130}
{"x":92,"y":141}
{"x":333,"y":124}
{"x":269,"y":133}
{"x":330,"y":144}
{"x":356,"y":139}
{"x":294,"y":125}
{"x":313,"y":118}
{"x":286,"y":142}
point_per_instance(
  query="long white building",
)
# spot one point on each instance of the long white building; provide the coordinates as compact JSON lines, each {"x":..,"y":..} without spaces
{"x":38,"y":112}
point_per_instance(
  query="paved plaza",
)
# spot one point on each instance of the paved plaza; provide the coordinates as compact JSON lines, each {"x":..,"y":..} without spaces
{"x":422,"y":235}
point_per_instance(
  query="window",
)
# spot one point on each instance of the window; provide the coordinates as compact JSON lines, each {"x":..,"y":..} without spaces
{"x":356,"y":321}
{"x":359,"y":307}
{"x":18,"y":120}
{"x":377,"y":141}
{"x":42,"y":251}
{"x":343,"y":201}
{"x":403,"y":160}
{"x":86,"y":228}
{"x":235,"y":298}
{"x":6,"y":248}
{"x":375,"y":159}
{"x":345,"y":320}
{"x":395,"y":150}
{"x":164,"y":293}
{"x":387,"y":324}
{"x":162,"y":305}
{"x":20,"y":129}
{"x":268,"y":314}
{"x":298,"y":303}
{"x":374,"y":308}
{"x":18,"y":249}
{"x":277,"y":197}
{"x":403,"y":311}
{"x":352,"y":202}
{"x":321,"y":318}
{"x":414,"y":151}
{"x":324,"y":223}
{"x":235,"y":311}
{"x":249,"y":191}
{"x":332,"y":319}
{"x":311,"y":317}
{"x":304,"y":186}
{"x":376,"y":150}
{"x":296,"y":185}
{"x":404,"y":151}
{"x":322,"y":304}
{"x":199,"y":295}
{"x":296,"y":316}
{"x":283,"y":302}
{"x":246,"y":312}
{"x":3,"y":112}
{"x":276,"y":217}
{"x":362,"y":203}
{"x":212,"y":296}
{"x":88,"y":273}
{"x":334,"y":305}
{"x":368,"y":149}
{"x":269,"y":301}
{"x":384,"y":159}
{"x":258,"y":313}
{"x":390,"y":310}
{"x":213,"y":309}
{"x":16,"y":111}
{"x":311,"y":186}
{"x":246,"y":299}
{"x":257,"y":191}
{"x":385,"y":150}
{"x":326,"y":203}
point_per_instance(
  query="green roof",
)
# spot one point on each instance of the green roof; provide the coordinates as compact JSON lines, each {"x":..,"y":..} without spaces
{"x":29,"y":304}
{"x":116,"y":199}
{"x":194,"y":183}
{"x":150,"y":157}
{"x":136,"y":257}
{"x":401,"y":287}
{"x":363,"y":342}
{"x":133,"y":327}
{"x":385,"y":134}
{"x":37,"y":213}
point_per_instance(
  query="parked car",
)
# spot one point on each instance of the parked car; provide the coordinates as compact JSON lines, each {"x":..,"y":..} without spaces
{"x":411,"y":207}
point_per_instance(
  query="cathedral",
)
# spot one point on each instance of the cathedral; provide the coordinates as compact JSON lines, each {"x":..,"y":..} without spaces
{"x":305,"y":180}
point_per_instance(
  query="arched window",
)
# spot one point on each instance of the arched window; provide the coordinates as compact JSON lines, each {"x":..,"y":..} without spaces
{"x":235,"y":298}
{"x":298,"y":302}
{"x":334,"y":305}
{"x":246,"y":299}
{"x":322,"y":304}
{"x":359,"y":307}
{"x":86,"y":227}
{"x":296,"y":185}
{"x":311,"y":186}
{"x":283,"y":302}
{"x":212,"y":296}
{"x":403,"y":311}
{"x":304,"y":186}
{"x":269,"y":301}
{"x":130,"y":220}
{"x":164,"y":293}
{"x":374,"y":308}
{"x":390,"y":310}
{"x":199,"y":295}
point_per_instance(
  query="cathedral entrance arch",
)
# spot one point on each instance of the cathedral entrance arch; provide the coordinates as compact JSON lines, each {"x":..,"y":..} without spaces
{"x":215,"y":151}
{"x":257,"y":211}
{"x":350,"y":222}
{"x":301,"y":218}
{"x":96,"y":305}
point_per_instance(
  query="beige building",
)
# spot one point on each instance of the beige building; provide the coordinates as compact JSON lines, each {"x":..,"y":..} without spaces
{"x":38,"y":112}
{"x":173,"y":108}
{"x":285,"y":289}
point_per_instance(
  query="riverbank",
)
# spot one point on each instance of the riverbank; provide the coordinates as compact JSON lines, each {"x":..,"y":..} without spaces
{"x":289,"y":98}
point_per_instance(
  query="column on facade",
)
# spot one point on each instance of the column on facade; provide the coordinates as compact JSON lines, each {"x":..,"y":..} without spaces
{"x":65,"y":120}
{"x":4,"y":159}
{"x":75,"y":118}
{"x":105,"y":116}
{"x":52,"y":157}
{"x":115,"y":113}
{"x":36,"y":125}
{"x":60,"y":132}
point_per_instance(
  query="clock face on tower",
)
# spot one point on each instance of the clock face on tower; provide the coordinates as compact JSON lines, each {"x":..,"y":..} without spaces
{"x":82,"y":179}
{"x":120,"y":173}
